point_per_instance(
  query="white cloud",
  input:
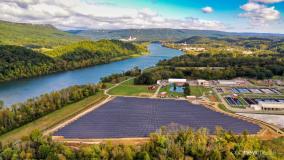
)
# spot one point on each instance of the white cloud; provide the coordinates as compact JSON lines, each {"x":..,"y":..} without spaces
{"x":268,"y":1}
{"x":207,"y":9}
{"x":251,"y":6}
{"x":86,"y":14}
{"x":259,"y":14}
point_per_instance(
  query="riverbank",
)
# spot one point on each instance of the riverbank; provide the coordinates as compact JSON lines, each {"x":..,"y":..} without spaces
{"x":21,"y":90}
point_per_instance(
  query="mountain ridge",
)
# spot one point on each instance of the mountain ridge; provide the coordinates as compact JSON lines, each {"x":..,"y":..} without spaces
{"x":161,"y":34}
{"x":34,"y":35}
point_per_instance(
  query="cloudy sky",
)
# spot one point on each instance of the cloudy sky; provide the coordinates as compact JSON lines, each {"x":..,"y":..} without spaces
{"x":226,"y":15}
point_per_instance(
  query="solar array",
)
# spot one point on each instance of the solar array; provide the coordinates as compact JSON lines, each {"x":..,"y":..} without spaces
{"x":137,"y":117}
{"x":256,"y":90}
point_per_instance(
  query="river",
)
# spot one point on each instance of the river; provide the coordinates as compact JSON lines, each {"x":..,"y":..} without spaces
{"x":20,"y":90}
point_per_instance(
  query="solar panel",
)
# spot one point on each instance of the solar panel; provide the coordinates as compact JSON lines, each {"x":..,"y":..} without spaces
{"x":137,"y":117}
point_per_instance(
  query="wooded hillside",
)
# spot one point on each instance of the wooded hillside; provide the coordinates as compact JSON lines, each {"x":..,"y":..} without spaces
{"x":19,"y":62}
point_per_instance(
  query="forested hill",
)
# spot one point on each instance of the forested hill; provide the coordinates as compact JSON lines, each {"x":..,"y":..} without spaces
{"x":260,"y":43}
{"x":19,"y":62}
{"x":98,"y":47}
{"x":162,"y":34}
{"x":34,"y":36}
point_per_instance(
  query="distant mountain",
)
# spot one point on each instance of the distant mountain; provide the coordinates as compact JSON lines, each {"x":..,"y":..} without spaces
{"x":34,"y":36}
{"x":162,"y":34}
{"x":262,"y":43}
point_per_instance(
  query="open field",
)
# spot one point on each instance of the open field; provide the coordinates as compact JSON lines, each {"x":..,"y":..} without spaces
{"x":129,"y":89}
{"x":52,"y":119}
{"x":198,"y":90}
{"x":126,"y":117}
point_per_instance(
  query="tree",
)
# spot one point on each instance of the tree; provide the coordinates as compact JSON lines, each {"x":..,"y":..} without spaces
{"x":186,"y":89}
{"x":1,"y":104}
{"x":174,"y":86}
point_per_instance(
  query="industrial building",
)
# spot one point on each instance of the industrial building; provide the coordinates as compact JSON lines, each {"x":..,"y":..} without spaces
{"x":179,"y":82}
{"x":268,"y":106}
{"x":231,"y":82}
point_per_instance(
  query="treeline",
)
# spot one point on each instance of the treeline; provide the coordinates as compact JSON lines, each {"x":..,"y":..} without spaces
{"x":118,"y":77}
{"x":22,"y":113}
{"x":215,"y":66}
{"x":19,"y":62}
{"x":171,"y":145}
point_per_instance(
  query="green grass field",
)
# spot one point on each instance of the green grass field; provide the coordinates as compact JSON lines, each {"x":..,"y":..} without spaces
{"x":53,"y":118}
{"x":129,"y":89}
{"x":198,"y":91}
{"x":109,"y":85}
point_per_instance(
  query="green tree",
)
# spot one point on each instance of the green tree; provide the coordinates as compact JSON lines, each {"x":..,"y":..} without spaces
{"x":1,"y":104}
{"x":186,"y":89}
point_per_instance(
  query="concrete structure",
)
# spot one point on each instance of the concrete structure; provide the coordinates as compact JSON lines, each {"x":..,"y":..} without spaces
{"x":255,"y":107}
{"x":202,"y":82}
{"x":191,"y":97}
{"x":163,"y":95}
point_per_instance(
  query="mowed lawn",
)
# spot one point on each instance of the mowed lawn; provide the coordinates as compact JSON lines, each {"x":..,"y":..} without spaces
{"x":53,"y":118}
{"x":129,"y":89}
{"x":198,"y":91}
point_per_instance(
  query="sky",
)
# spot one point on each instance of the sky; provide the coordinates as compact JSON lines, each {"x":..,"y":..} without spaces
{"x":264,"y":16}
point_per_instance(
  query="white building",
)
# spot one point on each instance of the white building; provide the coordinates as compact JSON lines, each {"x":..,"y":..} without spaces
{"x":227,"y":82}
{"x":174,"y":80}
{"x":236,"y":82}
{"x":129,"y":39}
{"x":194,"y":49}
{"x":202,"y":82}
{"x":277,"y":106}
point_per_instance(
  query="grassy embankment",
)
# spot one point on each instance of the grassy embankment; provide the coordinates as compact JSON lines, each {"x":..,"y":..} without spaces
{"x":53,"y":118}
{"x":222,"y":107}
{"x":129,"y":89}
